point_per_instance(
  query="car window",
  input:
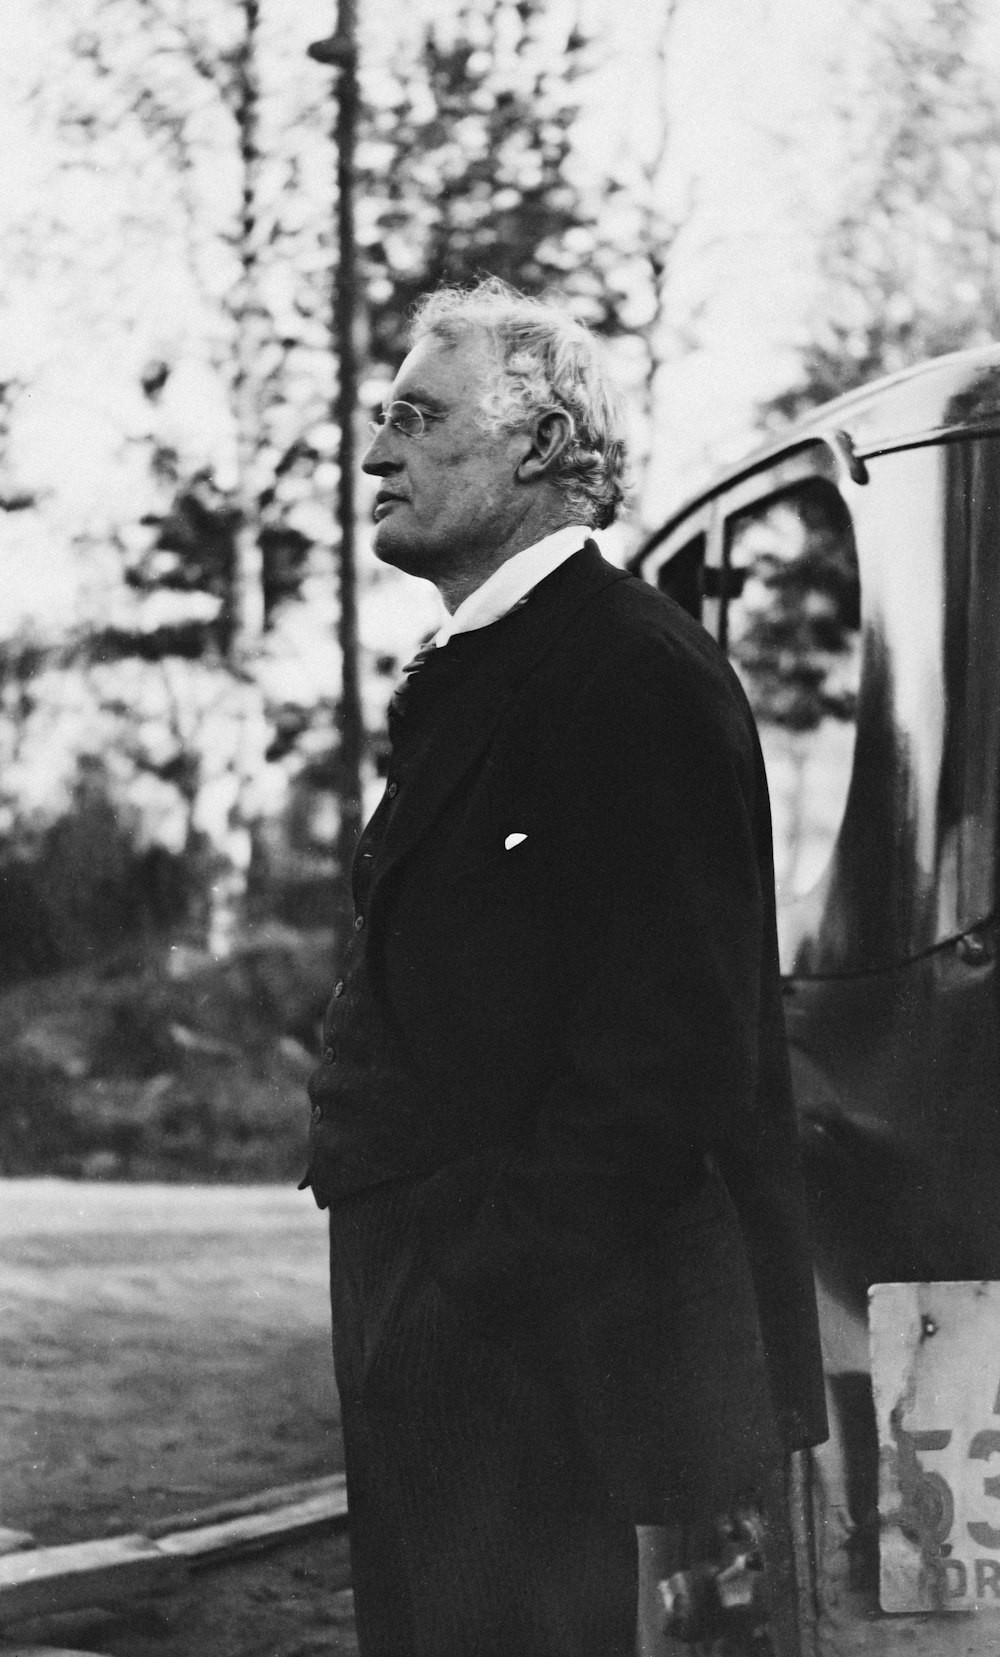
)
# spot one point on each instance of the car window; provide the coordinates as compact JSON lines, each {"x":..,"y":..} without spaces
{"x":682,"y":577}
{"x":791,"y":624}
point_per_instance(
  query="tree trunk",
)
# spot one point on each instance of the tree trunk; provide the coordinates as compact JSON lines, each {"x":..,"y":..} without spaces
{"x":340,"y":51}
{"x":227,"y":897}
{"x":351,"y":723}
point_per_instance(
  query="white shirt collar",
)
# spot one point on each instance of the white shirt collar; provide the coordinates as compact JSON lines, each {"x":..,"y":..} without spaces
{"x":513,"y":581}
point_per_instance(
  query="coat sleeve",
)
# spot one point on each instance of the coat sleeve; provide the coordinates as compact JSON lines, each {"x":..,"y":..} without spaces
{"x":656,"y":886}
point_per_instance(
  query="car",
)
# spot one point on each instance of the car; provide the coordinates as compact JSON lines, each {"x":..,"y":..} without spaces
{"x":851,"y":571}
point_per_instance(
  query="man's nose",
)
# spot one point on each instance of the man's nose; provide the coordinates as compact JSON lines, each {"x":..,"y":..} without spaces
{"x":380,"y":458}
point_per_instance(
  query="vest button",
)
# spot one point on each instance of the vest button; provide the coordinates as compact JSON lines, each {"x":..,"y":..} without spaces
{"x":392,"y":790}
{"x":339,"y":986}
{"x":329,"y":1055}
{"x":359,"y":921}
{"x":317,"y":1114}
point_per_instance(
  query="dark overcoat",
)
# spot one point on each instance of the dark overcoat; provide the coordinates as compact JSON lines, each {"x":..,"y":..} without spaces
{"x":566,"y":920}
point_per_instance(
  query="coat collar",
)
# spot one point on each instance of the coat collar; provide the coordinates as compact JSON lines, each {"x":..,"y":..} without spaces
{"x":518,"y":644}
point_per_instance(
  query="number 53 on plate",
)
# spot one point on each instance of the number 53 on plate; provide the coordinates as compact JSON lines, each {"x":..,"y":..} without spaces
{"x":936,"y":1381}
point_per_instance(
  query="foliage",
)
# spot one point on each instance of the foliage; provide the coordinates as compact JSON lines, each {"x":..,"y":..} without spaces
{"x":213,"y":112}
{"x":233,"y":413}
{"x":227,"y":145}
{"x":192,"y":551}
{"x":910,"y":265}
{"x":465,"y":166}
{"x":82,"y":885}
{"x":793,"y":632}
{"x":164,"y":1064}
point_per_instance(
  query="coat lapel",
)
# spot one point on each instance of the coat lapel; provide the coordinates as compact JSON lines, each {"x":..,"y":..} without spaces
{"x":519,"y":643}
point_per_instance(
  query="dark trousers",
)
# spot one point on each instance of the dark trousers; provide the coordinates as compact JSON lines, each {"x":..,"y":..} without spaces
{"x":478,"y":1527}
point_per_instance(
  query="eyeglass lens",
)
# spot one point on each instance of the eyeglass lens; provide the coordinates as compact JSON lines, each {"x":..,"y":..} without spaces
{"x":402,"y":417}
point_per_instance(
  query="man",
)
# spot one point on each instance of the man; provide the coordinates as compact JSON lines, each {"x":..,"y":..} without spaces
{"x":552,"y":1124}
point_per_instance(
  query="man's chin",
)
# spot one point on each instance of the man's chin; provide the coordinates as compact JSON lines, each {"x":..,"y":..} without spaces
{"x":388,"y":548}
{"x":397,"y":550}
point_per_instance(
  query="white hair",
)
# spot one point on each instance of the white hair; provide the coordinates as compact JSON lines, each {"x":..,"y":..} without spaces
{"x":547,"y":360}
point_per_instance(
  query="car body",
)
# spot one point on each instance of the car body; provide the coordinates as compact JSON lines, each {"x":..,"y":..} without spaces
{"x":851,"y":569}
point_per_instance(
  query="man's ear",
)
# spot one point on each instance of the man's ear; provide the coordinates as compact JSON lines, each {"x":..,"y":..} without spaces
{"x":551,"y":434}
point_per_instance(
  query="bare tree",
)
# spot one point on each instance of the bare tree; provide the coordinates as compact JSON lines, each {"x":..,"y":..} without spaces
{"x":194,"y":93}
{"x":909,"y":263}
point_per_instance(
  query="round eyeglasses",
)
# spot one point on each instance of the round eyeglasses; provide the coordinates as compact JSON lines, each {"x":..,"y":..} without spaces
{"x":404,"y":418}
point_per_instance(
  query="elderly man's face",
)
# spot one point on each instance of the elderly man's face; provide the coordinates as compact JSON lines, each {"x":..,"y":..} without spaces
{"x":449,"y":495}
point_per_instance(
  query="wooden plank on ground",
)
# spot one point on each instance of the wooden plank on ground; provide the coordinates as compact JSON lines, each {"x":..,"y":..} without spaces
{"x":208,"y":1543}
{"x":45,"y":1580}
{"x":261,"y":1501}
{"x":44,"y":1651}
{"x":83,"y":1573}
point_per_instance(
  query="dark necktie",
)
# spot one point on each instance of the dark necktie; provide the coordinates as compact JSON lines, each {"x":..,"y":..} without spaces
{"x":443,"y":659}
{"x":398,"y":699}
{"x":426,"y":680}
{"x":416,"y":698}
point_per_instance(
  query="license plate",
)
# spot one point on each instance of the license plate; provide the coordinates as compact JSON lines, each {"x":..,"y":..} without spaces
{"x":935,"y":1351}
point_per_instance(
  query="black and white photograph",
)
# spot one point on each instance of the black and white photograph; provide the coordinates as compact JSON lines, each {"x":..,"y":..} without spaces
{"x":499,"y":828}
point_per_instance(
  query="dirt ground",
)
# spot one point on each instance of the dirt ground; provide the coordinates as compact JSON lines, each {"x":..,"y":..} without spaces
{"x":163,"y":1347}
